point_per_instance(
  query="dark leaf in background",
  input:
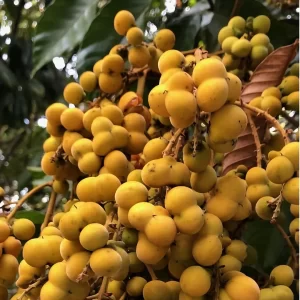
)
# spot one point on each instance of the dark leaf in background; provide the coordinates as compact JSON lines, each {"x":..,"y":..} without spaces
{"x":36,"y":217}
{"x":62,"y":27}
{"x":101,"y":36}
{"x":11,"y":8}
{"x":7,"y":77}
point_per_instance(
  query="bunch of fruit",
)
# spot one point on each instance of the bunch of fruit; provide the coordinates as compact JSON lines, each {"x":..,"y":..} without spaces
{"x":146,"y":195}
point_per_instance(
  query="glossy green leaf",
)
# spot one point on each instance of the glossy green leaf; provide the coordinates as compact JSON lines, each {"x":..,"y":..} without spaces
{"x":101,"y":36}
{"x":7,"y":77}
{"x":62,"y":27}
{"x":34,"y":216}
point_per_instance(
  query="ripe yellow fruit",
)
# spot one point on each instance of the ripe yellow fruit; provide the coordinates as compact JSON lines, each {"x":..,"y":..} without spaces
{"x":12,"y":246}
{"x":180,"y":81}
{"x":244,"y":210}
{"x":55,"y":130}
{"x":60,"y":187}
{"x":241,"y":48}
{"x":9,"y":269}
{"x":291,"y":151}
{"x":156,"y":99}
{"x":90,"y":116}
{"x":256,"y":175}
{"x":294,"y":226}
{"x":50,"y":230}
{"x":51,"y":144}
{"x":262,"y":208}
{"x":234,"y":88}
{"x":140,"y":214}
{"x":181,"y":249}
{"x":4,"y":231}
{"x":138,"y":56}
{"x":230,"y":263}
{"x":54,"y":111}
{"x":154,"y":148}
{"x":69,"y":138}
{"x":212,"y":225}
{"x":237,"y":23}
{"x":174,"y":287}
{"x":283,"y":292}
{"x":230,"y":62}
{"x":261,"y":24}
{"x":71,"y":225}
{"x":227,"y":44}
{"x":294,"y":210}
{"x":237,"y":249}
{"x":204,"y":181}
{"x":195,"y":281}
{"x":224,"y":33}
{"x":68,"y":248}
{"x":135,"y":286}
{"x":97,"y":68}
{"x":258,"y":54}
{"x":113,"y":113}
{"x":271,"y":91}
{"x":93,"y":236}
{"x":242,"y":287}
{"x":291,"y":102}
{"x":282,"y":275}
{"x":23,"y":229}
{"x":227,"y":123}
{"x":105,"y":262}
{"x":164,"y":39}
{"x":76,"y":263}
{"x":290,"y":191}
{"x":289,"y":85}
{"x":280,"y":169}
{"x":116,"y":288}
{"x":110,"y":83}
{"x":271,"y":104}
{"x":88,"y":81}
{"x":135,"y":36}
{"x":207,"y":250}
{"x":161,"y":230}
{"x":112,"y":64}
{"x":73,"y":93}
{"x":71,"y":119}
{"x":123,"y":21}
{"x":171,"y":59}
{"x":156,"y":290}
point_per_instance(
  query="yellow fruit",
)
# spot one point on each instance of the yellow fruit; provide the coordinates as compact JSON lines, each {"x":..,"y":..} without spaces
{"x":256,"y":102}
{"x":237,"y":249}
{"x":171,"y":59}
{"x":75,"y":265}
{"x":60,"y":187}
{"x":110,"y":83}
{"x":138,"y":56}
{"x":116,"y":288}
{"x":289,"y":85}
{"x":50,"y":230}
{"x":230,"y":62}
{"x":294,"y":70}
{"x":4,"y":231}
{"x":140,"y":214}
{"x":154,"y":148}
{"x":280,"y":169}
{"x":290,"y":191}
{"x":136,"y":266}
{"x":161,"y":230}
{"x":71,"y":225}
{"x":207,"y":250}
{"x":244,"y":210}
{"x":242,"y":286}
{"x":9,"y":269}
{"x":282,"y":292}
{"x":262,"y":208}
{"x":93,"y":236}
{"x":73,"y":93}
{"x":123,"y":21}
{"x":68,"y":248}
{"x":207,"y":69}
{"x":23,"y":229}
{"x":261,"y":24}
{"x":294,"y":226}
{"x":169,"y":73}
{"x":258,"y":54}
{"x":156,"y":99}
{"x":272,"y":105}
{"x":90,"y":116}
{"x":294,"y":210}
{"x":50,"y":291}
{"x":271,"y":91}
{"x":88,"y":81}
{"x":204,"y":181}
{"x":135,"y":286}
{"x":241,"y":48}
{"x":156,"y":290}
{"x":180,"y":81}
{"x":237,"y":22}
{"x":230,"y":263}
{"x":291,"y":151}
{"x":227,"y":44}
{"x":53,"y":113}
{"x":174,"y":287}
{"x":291,"y":102}
{"x":135,"y":36}
{"x":105,"y":262}
{"x":164,"y":39}
{"x":51,"y":144}
{"x":227,"y":123}
{"x":112,"y":64}
{"x":256,"y":175}
{"x":224,"y":33}
{"x":195,"y":281}
{"x":282,"y":275}
{"x":71,"y":119}
{"x":234,"y":88}
{"x":55,"y":130}
{"x":97,"y":68}
{"x":113,"y":113}
{"x":12,"y":246}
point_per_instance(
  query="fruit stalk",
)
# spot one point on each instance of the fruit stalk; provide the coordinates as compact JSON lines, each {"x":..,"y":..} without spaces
{"x":151,"y":272}
{"x":256,"y":139}
{"x":26,"y":196}
{"x":141,"y":83}
{"x":50,"y":209}
{"x":172,"y":142}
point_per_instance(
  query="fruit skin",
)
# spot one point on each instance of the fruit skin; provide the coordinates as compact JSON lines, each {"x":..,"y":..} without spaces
{"x":291,"y":151}
{"x":238,"y":249}
{"x":283,"y":292}
{"x":23,"y":229}
{"x":225,"y":32}
{"x":164,"y":39}
{"x":135,"y":286}
{"x":289,"y":85}
{"x":156,"y":290}
{"x":73,"y":93}
{"x":241,"y":48}
{"x":54,"y":111}
{"x":71,"y":119}
{"x":204,"y":181}
{"x":190,"y":278}
{"x":88,"y":81}
{"x":4,"y":231}
{"x":138,"y":56}
{"x":262,"y":208}
{"x":294,"y":209}
{"x":9,"y":269}
{"x":123,"y":21}
{"x":171,"y":59}
{"x":261,"y":24}
{"x":110,"y":83}
{"x":282,"y":275}
{"x":290,"y":191}
{"x":75,"y":265}
{"x":135,"y":36}
{"x":280,"y":169}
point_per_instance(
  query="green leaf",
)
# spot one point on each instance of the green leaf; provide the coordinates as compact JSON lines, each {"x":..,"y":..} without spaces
{"x":101,"y":36}
{"x":34,"y":216}
{"x":7,"y":77}
{"x":62,"y":27}
{"x":42,"y":180}
{"x":11,"y":8}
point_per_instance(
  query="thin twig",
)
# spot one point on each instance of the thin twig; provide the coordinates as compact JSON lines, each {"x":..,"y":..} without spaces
{"x":172,"y":142}
{"x":123,"y":296}
{"x":141,"y":83}
{"x":50,"y":209}
{"x":25,"y":197}
{"x":151,"y":272}
{"x":84,"y":272}
{"x":179,"y":145}
{"x":39,"y":282}
{"x":235,"y":8}
{"x":292,"y":249}
{"x":276,"y":204}
{"x":268,"y":117}
{"x":256,"y":139}
{"x":217,"y":283}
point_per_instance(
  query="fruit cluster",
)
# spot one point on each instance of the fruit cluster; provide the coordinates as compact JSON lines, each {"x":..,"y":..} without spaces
{"x":147,"y":198}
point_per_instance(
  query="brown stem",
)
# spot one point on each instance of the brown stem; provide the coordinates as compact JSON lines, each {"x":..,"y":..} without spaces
{"x":39,"y":282}
{"x":25,"y":197}
{"x":292,"y":249}
{"x":179,"y":145}
{"x":141,"y":83}
{"x":84,"y":272}
{"x":192,"y":51}
{"x":217,"y":283}
{"x":268,"y":117}
{"x":256,"y":139}
{"x":50,"y":210}
{"x":172,"y":142}
{"x":235,"y":8}
{"x":277,"y":202}
{"x":151,"y":272}
{"x":123,"y":296}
